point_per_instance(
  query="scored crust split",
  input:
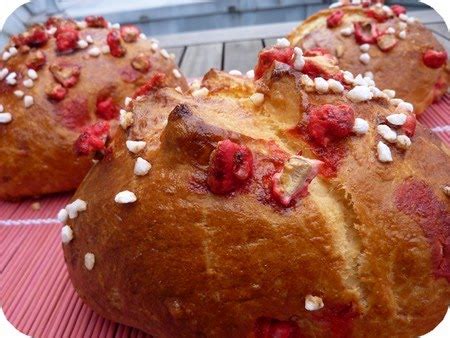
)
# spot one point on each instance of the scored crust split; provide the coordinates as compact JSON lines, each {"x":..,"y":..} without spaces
{"x":383,"y":42}
{"x":270,"y":208}
{"x":56,"y":81}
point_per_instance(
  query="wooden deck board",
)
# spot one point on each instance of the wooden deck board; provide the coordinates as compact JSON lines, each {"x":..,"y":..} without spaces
{"x":241,"y":55}
{"x":178,"y":51}
{"x":200,"y":58}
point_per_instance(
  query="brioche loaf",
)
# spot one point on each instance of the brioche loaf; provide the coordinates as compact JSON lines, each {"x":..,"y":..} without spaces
{"x":383,"y":43}
{"x":292,"y":205}
{"x":56,"y":81}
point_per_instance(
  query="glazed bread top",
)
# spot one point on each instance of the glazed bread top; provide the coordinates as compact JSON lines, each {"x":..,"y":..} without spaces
{"x":56,"y":81}
{"x":400,"y":52}
{"x":275,"y":208}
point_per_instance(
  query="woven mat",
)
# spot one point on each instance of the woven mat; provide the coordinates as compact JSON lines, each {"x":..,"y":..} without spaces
{"x":35,"y":290}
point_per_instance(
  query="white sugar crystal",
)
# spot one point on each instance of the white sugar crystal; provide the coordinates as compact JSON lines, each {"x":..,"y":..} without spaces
{"x":177,"y":73}
{"x":165,"y":54}
{"x":321,"y":85}
{"x":235,"y":72}
{"x":390,"y":30}
{"x":398,"y":119}
{"x":125,"y":118}
{"x":446,"y":190}
{"x":396,"y":102}
{"x":299,"y":60}
{"x":19,"y":93}
{"x":89,"y":39}
{"x":359,"y":94}
{"x":282,"y":43}
{"x":390,"y":93}
{"x":62,"y":215}
{"x":402,"y":35}
{"x":257,"y":99}
{"x":359,"y":80}
{"x":387,"y":133}
{"x":348,"y":77}
{"x":51,"y":31}
{"x":142,"y":36}
{"x":32,"y":74}
{"x":82,"y":44}
{"x":3,"y":73}
{"x":75,"y":207}
{"x":66,"y":234}
{"x":403,"y":17}
{"x":364,"y":58}
{"x":405,"y":106}
{"x":5,"y":118}
{"x":125,"y":197}
{"x":361,"y":126}
{"x":89,"y":261}
{"x":347,"y":31}
{"x":94,"y":51}
{"x":28,"y":83}
{"x":11,"y":79}
{"x":335,"y":86}
{"x":28,"y":101}
{"x":81,"y":24}
{"x":202,"y":92}
{"x":6,"y":56}
{"x":369,"y":75}
{"x":105,"y":49}
{"x":141,"y":167}
{"x":384,"y":153}
{"x":364,"y":47}
{"x":403,"y":141}
{"x":12,"y":51}
{"x":411,"y":20}
{"x":313,"y":303}
{"x":135,"y":146}
{"x":128,"y":101}
{"x":250,"y":74}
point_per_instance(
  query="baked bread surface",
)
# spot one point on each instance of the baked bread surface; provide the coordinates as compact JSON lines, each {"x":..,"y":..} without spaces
{"x":182,"y":261}
{"x":37,"y":145}
{"x":400,"y":68}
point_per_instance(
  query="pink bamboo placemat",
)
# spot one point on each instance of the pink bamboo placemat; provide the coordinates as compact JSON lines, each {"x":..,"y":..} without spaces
{"x":36,"y":294}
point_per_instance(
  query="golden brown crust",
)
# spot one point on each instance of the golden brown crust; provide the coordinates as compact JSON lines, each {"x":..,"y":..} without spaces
{"x":184,"y":262}
{"x":400,"y":68}
{"x":37,"y":146}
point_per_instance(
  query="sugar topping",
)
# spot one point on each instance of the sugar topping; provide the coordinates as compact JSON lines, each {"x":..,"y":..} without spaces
{"x":359,"y":94}
{"x":202,"y":92}
{"x":250,"y":74}
{"x":405,"y":106}
{"x":361,"y":126}
{"x":66,"y":234}
{"x":135,"y":146}
{"x":11,"y":79}
{"x":403,"y":142}
{"x":282,"y":43}
{"x":384,"y":153}
{"x":125,"y":197}
{"x":3,"y":73}
{"x":446,"y":190}
{"x":364,"y":47}
{"x":387,"y":133}
{"x":165,"y":54}
{"x":127,"y":101}
{"x":75,"y":207}
{"x":235,"y":72}
{"x":28,"y":83}
{"x":32,"y":74}
{"x":390,"y":93}
{"x":62,"y":215}
{"x":177,"y":73}
{"x":335,"y":86}
{"x":364,"y":58}
{"x":19,"y":93}
{"x":94,"y":51}
{"x":89,"y":261}
{"x":321,"y":85}
{"x":28,"y":101}
{"x":89,"y":39}
{"x":396,"y":119}
{"x":5,"y":118}
{"x":126,"y":119}
{"x":347,"y":31}
{"x":82,"y":44}
{"x":313,"y":303}
{"x":142,"y":167}
{"x":299,"y":60}
{"x":257,"y":99}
